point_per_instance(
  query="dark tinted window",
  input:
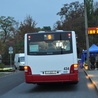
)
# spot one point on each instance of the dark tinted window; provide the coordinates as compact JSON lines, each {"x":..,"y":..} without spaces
{"x":57,"y":43}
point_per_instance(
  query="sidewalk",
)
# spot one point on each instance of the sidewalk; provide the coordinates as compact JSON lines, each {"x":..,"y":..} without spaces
{"x":93,"y":76}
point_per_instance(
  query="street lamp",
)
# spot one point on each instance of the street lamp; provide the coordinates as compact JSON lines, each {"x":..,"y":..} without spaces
{"x":86,"y":33}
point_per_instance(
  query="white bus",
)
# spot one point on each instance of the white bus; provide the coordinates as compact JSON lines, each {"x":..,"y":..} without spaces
{"x":51,"y":57}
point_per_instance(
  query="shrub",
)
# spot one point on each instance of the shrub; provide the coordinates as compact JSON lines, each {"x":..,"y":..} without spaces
{"x":2,"y":65}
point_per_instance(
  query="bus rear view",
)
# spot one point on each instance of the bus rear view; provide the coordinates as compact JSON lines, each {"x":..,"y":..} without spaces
{"x":51,"y":57}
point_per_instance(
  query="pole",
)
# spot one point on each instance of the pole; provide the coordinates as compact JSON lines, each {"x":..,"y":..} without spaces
{"x":86,"y":33}
{"x":10,"y":52}
{"x":10,"y":60}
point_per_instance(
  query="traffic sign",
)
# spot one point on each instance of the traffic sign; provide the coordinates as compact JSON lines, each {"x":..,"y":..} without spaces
{"x":10,"y":50}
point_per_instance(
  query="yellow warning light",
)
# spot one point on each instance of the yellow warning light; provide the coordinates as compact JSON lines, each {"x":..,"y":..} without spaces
{"x":97,"y":31}
{"x":49,"y":36}
{"x":90,"y":32}
{"x":93,"y":30}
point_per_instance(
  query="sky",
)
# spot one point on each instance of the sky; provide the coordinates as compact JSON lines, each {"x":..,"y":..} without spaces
{"x":43,"y":12}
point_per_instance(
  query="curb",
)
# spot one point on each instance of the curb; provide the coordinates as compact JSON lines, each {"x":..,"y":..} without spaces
{"x":8,"y":73}
{"x":90,"y":79}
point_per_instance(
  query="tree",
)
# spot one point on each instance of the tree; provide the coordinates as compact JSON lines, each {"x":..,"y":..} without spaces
{"x":46,"y":28}
{"x":72,"y":18}
{"x":92,"y":13}
{"x":6,"y":25}
{"x":58,"y":25}
{"x":71,"y":11}
{"x":27,"y":26}
{"x":8,"y":31}
{"x":95,"y":15}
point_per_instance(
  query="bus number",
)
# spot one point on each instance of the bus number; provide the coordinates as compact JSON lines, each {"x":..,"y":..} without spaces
{"x":66,"y":68}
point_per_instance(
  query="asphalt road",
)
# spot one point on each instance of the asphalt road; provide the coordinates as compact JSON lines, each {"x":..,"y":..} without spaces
{"x":8,"y":82}
{"x":84,"y":89}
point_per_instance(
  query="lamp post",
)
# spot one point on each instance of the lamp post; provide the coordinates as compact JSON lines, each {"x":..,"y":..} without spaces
{"x":86,"y":33}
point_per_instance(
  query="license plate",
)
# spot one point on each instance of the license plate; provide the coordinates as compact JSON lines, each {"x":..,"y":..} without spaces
{"x":51,"y":72}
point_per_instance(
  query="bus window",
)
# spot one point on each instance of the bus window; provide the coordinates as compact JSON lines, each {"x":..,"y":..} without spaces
{"x":55,"y":47}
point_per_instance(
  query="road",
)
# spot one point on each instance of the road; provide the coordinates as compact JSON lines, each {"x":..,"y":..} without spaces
{"x":84,"y":89}
{"x":8,"y":82}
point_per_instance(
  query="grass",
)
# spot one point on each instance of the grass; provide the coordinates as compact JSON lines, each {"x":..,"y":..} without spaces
{"x":6,"y":69}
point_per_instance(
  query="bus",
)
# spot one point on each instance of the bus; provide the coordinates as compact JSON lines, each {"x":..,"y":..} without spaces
{"x":51,"y":57}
